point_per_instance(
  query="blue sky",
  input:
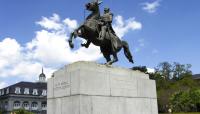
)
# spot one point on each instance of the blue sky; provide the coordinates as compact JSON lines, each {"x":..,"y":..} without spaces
{"x":169,"y":31}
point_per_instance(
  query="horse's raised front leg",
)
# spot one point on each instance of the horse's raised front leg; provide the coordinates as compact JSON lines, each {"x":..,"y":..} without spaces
{"x":86,"y":45}
{"x":70,"y":40}
{"x":74,"y":34}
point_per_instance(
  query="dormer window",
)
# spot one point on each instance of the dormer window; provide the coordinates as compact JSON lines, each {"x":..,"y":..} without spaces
{"x":2,"y":92}
{"x":7,"y":91}
{"x":35,"y":92}
{"x":44,"y":93}
{"x":26,"y":91}
{"x":17,"y":90}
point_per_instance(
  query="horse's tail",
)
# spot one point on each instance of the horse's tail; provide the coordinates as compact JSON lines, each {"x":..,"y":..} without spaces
{"x":127,"y":51}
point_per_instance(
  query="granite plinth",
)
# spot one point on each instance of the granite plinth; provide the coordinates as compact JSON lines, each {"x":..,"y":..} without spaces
{"x":90,"y":88}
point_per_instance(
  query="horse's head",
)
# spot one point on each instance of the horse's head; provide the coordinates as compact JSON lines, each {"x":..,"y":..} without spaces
{"x":93,"y":6}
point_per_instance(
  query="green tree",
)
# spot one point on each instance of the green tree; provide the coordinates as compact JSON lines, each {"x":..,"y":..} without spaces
{"x":181,"y":101}
{"x":165,"y":69}
{"x":195,"y":97}
{"x":179,"y":70}
{"x":175,"y":87}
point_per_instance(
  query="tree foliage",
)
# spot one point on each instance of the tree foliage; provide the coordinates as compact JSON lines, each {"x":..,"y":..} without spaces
{"x":164,"y":69}
{"x":21,"y":111}
{"x":2,"y":111}
{"x":175,"y":87}
{"x":140,"y":68}
{"x":187,"y":101}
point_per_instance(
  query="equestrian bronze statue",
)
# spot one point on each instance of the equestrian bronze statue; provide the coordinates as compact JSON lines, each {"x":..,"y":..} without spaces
{"x":98,"y":30}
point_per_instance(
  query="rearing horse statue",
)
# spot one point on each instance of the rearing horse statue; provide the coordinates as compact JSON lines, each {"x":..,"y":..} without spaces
{"x":90,"y":31}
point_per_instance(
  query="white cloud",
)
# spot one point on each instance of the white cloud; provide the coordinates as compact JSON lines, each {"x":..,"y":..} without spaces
{"x":52,"y":49}
{"x":122,"y":26}
{"x":13,"y":60}
{"x":71,"y":24}
{"x":2,"y":85}
{"x":50,"y":23}
{"x":151,"y":7}
{"x":150,"y":70}
{"x":9,"y":52}
{"x":49,"y":48}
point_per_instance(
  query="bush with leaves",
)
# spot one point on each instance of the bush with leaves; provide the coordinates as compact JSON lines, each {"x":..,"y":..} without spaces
{"x":140,"y":68}
{"x":181,"y":102}
{"x":185,"y":101}
{"x":2,"y":111}
{"x":21,"y":111}
{"x":195,"y":96}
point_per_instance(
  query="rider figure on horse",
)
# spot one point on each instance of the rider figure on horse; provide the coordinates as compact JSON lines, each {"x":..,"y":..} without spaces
{"x":106,"y":24}
{"x":108,"y":41}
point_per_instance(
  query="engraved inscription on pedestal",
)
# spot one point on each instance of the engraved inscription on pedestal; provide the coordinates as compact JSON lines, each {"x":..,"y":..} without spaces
{"x":61,"y":85}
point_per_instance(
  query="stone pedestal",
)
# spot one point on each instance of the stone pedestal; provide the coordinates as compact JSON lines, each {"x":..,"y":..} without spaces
{"x":90,"y":88}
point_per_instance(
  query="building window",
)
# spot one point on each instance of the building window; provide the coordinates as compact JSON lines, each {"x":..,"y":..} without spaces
{"x":16,"y":105}
{"x":34,"y":106}
{"x":25,"y":105}
{"x":7,"y":91}
{"x":17,"y":90}
{"x":35,"y":92}
{"x":6,"y":105}
{"x":42,"y":79}
{"x":26,"y":91}
{"x":44,"y":105}
{"x":44,"y":93}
